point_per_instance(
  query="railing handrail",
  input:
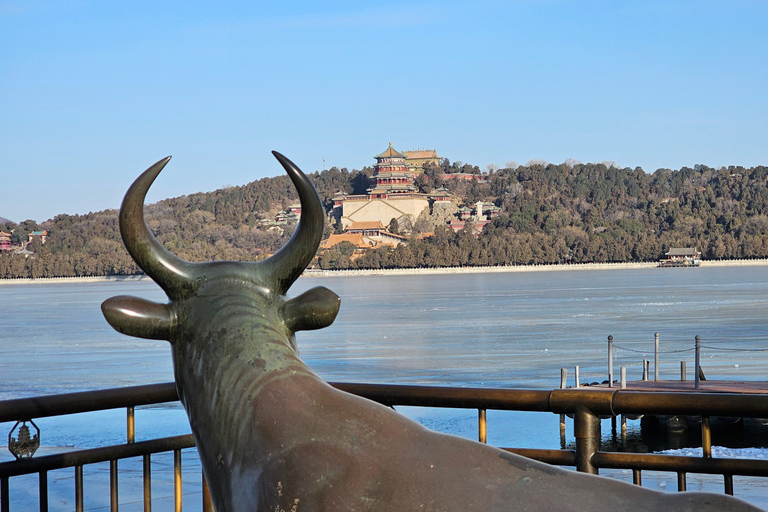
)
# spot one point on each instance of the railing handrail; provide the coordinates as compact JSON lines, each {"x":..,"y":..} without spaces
{"x":20,"y":409}
{"x":602,"y":401}
{"x":94,"y":455}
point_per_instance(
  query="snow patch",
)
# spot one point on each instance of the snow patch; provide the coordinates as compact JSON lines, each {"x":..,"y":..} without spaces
{"x":721,"y":452}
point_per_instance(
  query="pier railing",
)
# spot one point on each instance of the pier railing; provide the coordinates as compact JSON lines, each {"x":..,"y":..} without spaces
{"x":586,"y":406}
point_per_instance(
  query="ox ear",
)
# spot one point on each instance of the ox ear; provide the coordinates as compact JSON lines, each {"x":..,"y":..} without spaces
{"x":138,"y":317}
{"x":313,"y":309}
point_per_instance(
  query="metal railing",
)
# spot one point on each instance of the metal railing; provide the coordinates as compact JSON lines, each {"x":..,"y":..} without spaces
{"x":587,"y":406}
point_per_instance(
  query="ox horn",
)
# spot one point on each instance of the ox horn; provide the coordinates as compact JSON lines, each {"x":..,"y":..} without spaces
{"x":285,"y":267}
{"x":173,"y":274}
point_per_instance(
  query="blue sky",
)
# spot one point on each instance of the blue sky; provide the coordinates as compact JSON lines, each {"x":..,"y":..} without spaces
{"x":92,"y":93}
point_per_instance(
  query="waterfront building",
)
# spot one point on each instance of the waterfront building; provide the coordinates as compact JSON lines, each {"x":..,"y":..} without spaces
{"x":681,"y":257}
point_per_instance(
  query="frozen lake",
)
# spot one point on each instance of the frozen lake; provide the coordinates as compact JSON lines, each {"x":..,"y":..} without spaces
{"x":487,"y":330}
{"x":496,"y":330}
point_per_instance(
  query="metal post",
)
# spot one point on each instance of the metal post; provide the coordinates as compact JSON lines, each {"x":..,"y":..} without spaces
{"x":130,"y":425}
{"x":563,"y":378}
{"x":683,"y":371}
{"x":147,"y":474}
{"x":697,"y":370}
{"x":482,"y":426}
{"x":5,"y":502}
{"x":43,"y":491}
{"x":78,"y":488}
{"x":113,"y":501}
{"x":578,"y":382}
{"x":586,"y":428}
{"x":682,"y":485}
{"x":728,"y":481}
{"x":645,"y":369}
{"x":610,"y":361}
{"x":656,"y":357}
{"x":623,"y":417}
{"x":706,"y":437}
{"x":177,"y":480}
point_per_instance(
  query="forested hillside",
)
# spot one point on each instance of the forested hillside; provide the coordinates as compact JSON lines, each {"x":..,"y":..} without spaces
{"x":550,"y":214}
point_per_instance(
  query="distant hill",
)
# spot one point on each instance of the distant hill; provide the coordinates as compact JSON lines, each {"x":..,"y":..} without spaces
{"x":3,"y":220}
{"x":549,"y":214}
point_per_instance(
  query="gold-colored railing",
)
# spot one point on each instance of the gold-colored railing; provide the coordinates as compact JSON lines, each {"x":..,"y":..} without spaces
{"x":586,"y":406}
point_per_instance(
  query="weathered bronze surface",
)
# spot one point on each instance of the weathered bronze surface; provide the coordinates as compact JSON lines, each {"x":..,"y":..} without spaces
{"x":273,"y":436}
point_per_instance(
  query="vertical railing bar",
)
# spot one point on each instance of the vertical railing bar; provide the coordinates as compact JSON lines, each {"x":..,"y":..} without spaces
{"x":482,"y":426}
{"x":706,"y":437}
{"x":5,"y":500}
{"x":728,"y":481}
{"x":177,"y":480}
{"x":207,"y":502}
{"x":586,"y":429}
{"x":113,"y":502}
{"x":78,"y":488}
{"x":147,"y":473}
{"x":131,"y":424}
{"x":637,"y":477}
{"x":681,"y":482}
{"x":43,"y":490}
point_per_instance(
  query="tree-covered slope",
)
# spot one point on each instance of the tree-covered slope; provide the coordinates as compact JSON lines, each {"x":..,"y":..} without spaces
{"x":550,"y":214}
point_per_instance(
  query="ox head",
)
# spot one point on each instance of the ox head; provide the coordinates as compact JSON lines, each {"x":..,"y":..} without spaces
{"x":184,"y":282}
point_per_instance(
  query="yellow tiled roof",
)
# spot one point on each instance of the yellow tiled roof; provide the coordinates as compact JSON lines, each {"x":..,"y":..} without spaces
{"x":421,"y":153}
{"x":354,"y":238}
{"x":373,"y":224}
{"x":390,"y":153}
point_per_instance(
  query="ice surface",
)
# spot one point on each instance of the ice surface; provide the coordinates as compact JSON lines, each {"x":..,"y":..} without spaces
{"x":487,"y":330}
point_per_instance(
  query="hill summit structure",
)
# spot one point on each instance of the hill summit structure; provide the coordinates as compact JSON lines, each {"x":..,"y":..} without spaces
{"x":392,"y":194}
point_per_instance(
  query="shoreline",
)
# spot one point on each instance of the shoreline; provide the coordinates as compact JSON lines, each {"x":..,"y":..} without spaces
{"x":313,"y":273}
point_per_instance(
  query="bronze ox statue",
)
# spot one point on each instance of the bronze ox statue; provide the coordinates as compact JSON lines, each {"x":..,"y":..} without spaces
{"x":273,"y":436}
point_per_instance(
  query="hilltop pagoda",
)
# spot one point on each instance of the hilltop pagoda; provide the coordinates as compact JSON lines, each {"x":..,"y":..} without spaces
{"x":392,"y":175}
{"x":392,"y":194}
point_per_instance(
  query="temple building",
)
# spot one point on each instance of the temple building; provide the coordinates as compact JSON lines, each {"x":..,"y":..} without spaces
{"x":392,"y":175}
{"x":364,"y":235}
{"x":417,"y":159}
{"x":392,"y":194}
{"x":5,"y":242}
{"x":481,"y":215}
